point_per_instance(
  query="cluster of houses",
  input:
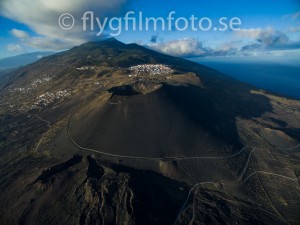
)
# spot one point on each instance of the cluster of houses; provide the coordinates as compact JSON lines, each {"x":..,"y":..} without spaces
{"x":48,"y":98}
{"x":19,"y":90}
{"x":151,"y":69}
{"x":86,"y":68}
{"x":42,"y":79}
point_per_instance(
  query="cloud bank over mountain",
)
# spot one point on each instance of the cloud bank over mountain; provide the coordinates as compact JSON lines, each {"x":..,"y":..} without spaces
{"x":42,"y":17}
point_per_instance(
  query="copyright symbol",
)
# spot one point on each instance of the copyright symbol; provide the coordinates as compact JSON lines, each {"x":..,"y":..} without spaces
{"x":66,"y":21}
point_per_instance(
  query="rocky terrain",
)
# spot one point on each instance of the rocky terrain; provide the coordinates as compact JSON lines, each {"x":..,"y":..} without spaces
{"x":109,"y":133}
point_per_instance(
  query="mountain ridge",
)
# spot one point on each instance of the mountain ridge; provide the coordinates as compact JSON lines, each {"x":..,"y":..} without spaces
{"x":22,"y":60}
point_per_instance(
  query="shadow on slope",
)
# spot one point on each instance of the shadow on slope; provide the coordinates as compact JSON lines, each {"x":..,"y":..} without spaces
{"x":172,"y":121}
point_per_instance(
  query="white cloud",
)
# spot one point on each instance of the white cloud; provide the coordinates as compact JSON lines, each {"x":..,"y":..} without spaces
{"x":42,"y":43}
{"x":19,"y":33}
{"x":293,"y":16}
{"x":46,"y":43}
{"x":186,"y":47}
{"x":42,"y":17}
{"x":266,"y":39}
{"x":190,"y":47}
{"x":248,"y":42}
{"x":294,"y":29}
{"x":267,"y":36}
{"x":296,"y":15}
{"x":14,"y":48}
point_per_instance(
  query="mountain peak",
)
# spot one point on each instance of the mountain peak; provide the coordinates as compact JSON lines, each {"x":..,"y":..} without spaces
{"x":111,"y":39}
{"x":109,"y":42}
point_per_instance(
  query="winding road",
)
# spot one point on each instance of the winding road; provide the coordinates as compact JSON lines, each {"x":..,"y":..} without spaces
{"x":42,"y":137}
{"x":188,"y":158}
{"x":188,"y":197}
{"x":146,"y":158}
{"x":269,"y":173}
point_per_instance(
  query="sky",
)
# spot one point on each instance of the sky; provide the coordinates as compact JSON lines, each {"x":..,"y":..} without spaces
{"x":267,"y":28}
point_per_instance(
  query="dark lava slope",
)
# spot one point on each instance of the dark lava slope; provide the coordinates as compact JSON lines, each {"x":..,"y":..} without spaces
{"x":170,"y":122}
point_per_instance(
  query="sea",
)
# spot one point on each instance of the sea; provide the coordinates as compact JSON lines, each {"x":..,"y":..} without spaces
{"x":280,"y":75}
